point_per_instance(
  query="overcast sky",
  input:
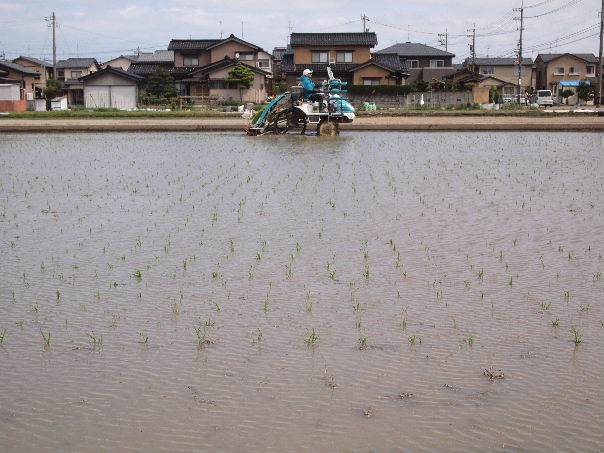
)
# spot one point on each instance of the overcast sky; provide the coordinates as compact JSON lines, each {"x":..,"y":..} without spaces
{"x":107,"y":28}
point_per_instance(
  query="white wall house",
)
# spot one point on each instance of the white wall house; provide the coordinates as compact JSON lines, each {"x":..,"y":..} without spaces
{"x":111,"y":88}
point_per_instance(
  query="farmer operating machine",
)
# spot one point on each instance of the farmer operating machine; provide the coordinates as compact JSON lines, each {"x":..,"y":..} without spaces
{"x":325,"y":109}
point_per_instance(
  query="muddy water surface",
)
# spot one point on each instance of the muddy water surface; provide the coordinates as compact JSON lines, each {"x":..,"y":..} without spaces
{"x":212,"y":292}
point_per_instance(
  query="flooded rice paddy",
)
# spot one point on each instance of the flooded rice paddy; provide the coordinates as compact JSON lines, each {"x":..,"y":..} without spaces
{"x":373,"y":292}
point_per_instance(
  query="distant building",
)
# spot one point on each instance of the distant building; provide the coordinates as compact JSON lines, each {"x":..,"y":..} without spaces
{"x":503,"y":72}
{"x":111,"y":88}
{"x":553,"y":68}
{"x":347,"y":54}
{"x":423,"y":62}
{"x":44,"y":68}
{"x":69,"y":72}
{"x":278,"y":53}
{"x":25,"y":77}
{"x":201,"y":67}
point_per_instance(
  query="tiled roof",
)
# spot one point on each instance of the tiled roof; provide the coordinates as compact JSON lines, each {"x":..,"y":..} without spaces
{"x":192,"y":44}
{"x":217,"y":65}
{"x":115,"y":71}
{"x":547,"y":57}
{"x":236,"y":39}
{"x":44,"y":64}
{"x":159,"y":56}
{"x":317,"y":67}
{"x":389,"y":60}
{"x":278,"y":52}
{"x":498,"y":61}
{"x":412,"y":49}
{"x":144,"y":69}
{"x":9,"y":65}
{"x":333,"y":39}
{"x":76,"y":63}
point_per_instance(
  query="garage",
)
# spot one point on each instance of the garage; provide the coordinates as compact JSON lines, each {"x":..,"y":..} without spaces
{"x":111,"y":88}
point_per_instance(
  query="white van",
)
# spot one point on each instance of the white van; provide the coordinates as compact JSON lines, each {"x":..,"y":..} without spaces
{"x":544,"y":97}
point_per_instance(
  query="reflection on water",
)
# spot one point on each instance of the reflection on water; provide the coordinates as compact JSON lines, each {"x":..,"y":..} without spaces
{"x":214,"y":292}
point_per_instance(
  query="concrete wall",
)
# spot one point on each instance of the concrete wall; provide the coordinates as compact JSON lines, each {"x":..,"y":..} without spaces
{"x":444,"y":99}
{"x":13,"y":106}
{"x":256,"y":93}
{"x":373,"y":72}
{"x":303,"y":55}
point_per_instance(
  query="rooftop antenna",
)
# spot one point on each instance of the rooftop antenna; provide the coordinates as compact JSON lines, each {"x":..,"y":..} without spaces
{"x":408,"y":33}
{"x":220,"y":29}
{"x":241,"y":29}
{"x":365,"y":19}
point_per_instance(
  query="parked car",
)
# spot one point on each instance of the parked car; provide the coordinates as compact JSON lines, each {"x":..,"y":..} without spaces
{"x":544,"y":98}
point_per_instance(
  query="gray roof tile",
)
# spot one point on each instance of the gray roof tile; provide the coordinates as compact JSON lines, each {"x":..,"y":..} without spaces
{"x":17,"y":67}
{"x":76,"y":63}
{"x":192,"y":44}
{"x":413,"y":49}
{"x":333,"y":39}
{"x":547,"y":57}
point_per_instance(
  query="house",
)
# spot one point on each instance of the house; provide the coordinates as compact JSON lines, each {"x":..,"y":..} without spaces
{"x":10,"y":94}
{"x":503,"y":73}
{"x":423,"y":62}
{"x":44,"y":68}
{"x":200,"y":68}
{"x":278,"y":53}
{"x":25,"y":77}
{"x":69,"y":72}
{"x":123,"y":62}
{"x":340,"y":51}
{"x":110,"y":88}
{"x":380,"y":69}
{"x":150,"y":62}
{"x":553,"y":68}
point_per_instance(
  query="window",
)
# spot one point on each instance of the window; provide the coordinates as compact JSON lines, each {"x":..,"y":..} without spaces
{"x":61,"y":74}
{"x":437,"y":63}
{"x":591,"y":70}
{"x":190,"y":61}
{"x":413,"y":64}
{"x":559,"y":71}
{"x":371,"y":80}
{"x":344,"y":57}
{"x":76,"y":74}
{"x":220,"y":84}
{"x":320,"y":57}
{"x":487,"y":70}
{"x":246,"y":56}
{"x":264,"y":63}
{"x":573,"y":71}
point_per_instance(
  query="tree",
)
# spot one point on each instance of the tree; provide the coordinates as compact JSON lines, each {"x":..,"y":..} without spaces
{"x":52,"y":90}
{"x":586,"y":92}
{"x":565,"y":94}
{"x":243,"y":76}
{"x":160,"y":85}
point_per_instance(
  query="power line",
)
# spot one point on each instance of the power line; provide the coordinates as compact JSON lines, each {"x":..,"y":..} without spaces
{"x":566,"y":5}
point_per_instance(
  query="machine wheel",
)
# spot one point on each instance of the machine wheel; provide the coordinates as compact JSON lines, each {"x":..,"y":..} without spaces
{"x":328,"y":128}
{"x":281,"y":122}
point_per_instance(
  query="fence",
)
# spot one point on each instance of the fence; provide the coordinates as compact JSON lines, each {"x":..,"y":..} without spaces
{"x":431,"y":99}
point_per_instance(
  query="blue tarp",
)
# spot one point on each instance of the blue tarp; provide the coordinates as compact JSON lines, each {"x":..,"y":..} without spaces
{"x":573,"y":83}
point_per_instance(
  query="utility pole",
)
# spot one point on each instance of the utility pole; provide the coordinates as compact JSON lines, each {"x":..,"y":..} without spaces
{"x":443,"y":39}
{"x":52,"y":23}
{"x":521,"y":19}
{"x":600,"y":97}
{"x":473,"y":46}
{"x":365,"y":19}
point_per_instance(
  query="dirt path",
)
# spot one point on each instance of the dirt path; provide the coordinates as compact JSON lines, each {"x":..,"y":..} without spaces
{"x":588,"y":123}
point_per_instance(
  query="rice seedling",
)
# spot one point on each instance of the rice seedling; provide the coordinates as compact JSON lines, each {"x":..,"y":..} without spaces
{"x":481,"y":274}
{"x":58,"y":296}
{"x":20,"y":323}
{"x":215,"y":275}
{"x":312,"y":338}
{"x":138,"y":275}
{"x":308,"y":304}
{"x":175,"y":309}
{"x":2,"y":336}
{"x":46,"y":338}
{"x":257,"y":336}
{"x":95,"y":342}
{"x":577,"y":335}
{"x":202,"y":337}
{"x":511,"y":282}
{"x":493,"y":373}
{"x":556,"y":322}
{"x":567,"y":296}
{"x":143,"y":338}
{"x":258,"y":256}
{"x":403,"y":324}
{"x":585,"y":308}
{"x":217,"y":307}
{"x":415,"y":339}
{"x":331,"y":271}
{"x":545,"y":306}
{"x":362,"y":343}
{"x":597,"y":276}
{"x":470,"y":340}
